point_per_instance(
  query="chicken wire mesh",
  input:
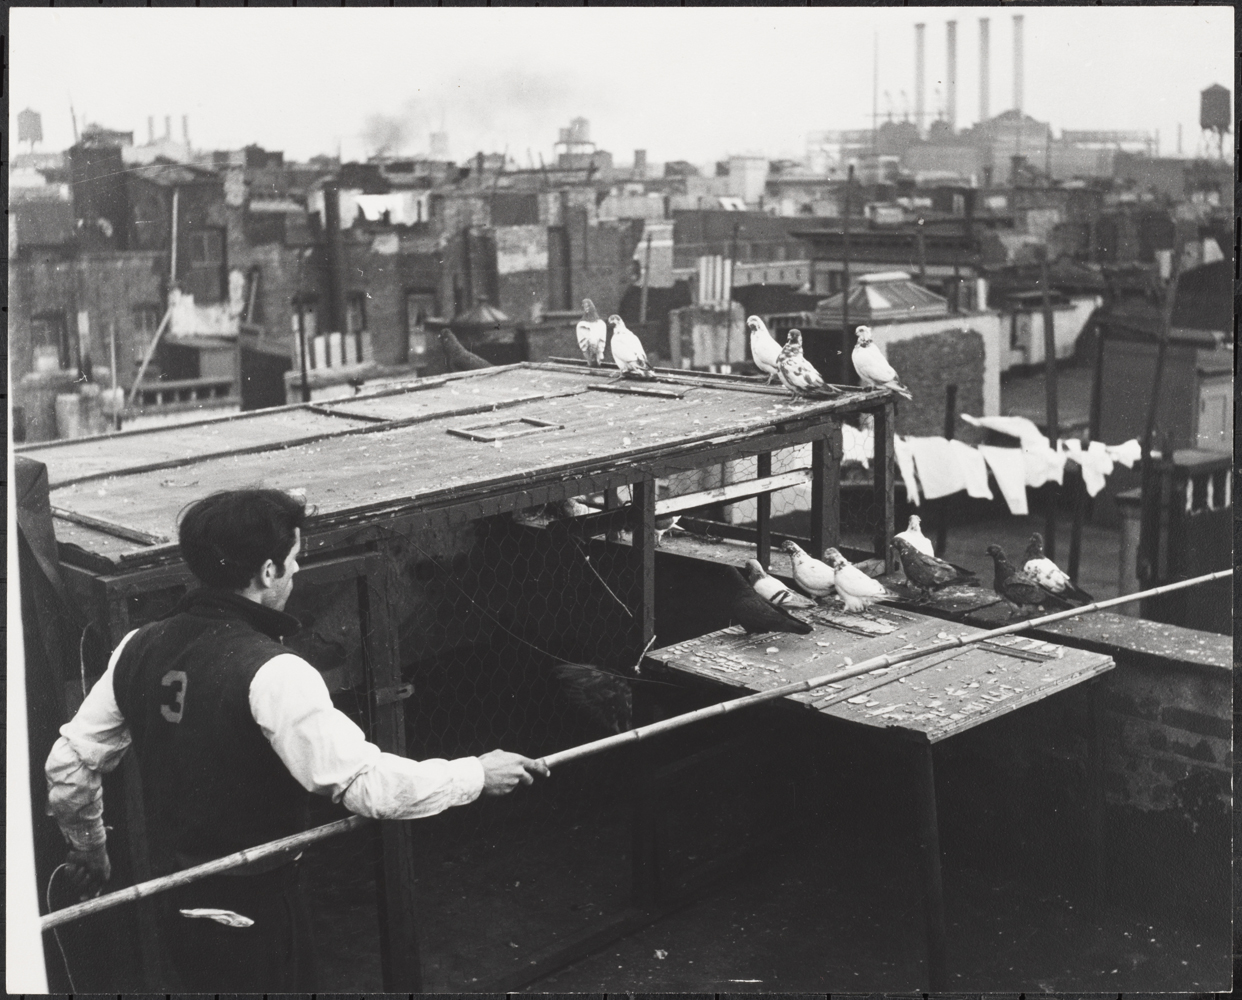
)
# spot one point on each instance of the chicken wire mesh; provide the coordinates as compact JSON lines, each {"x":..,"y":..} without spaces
{"x":487,"y":615}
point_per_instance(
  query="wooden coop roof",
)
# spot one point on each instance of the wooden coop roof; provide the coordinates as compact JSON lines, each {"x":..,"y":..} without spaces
{"x":494,"y":432}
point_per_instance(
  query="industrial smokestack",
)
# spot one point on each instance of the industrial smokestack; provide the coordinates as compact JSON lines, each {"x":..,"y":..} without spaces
{"x":918,"y":76}
{"x":1017,"y":62}
{"x":185,"y":130}
{"x":984,"y":70}
{"x":151,"y":130}
{"x":168,"y":127}
{"x":951,"y":74}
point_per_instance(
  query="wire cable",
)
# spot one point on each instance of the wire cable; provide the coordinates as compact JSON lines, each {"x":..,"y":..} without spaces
{"x":55,"y":933}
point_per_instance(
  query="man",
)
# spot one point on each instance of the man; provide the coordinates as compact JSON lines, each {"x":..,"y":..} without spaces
{"x":232,"y":731}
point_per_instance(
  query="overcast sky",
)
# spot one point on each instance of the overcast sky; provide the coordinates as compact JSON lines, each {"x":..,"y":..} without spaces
{"x":684,"y":83}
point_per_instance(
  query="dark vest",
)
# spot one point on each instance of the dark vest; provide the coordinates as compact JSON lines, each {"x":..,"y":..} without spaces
{"x":211,"y":782}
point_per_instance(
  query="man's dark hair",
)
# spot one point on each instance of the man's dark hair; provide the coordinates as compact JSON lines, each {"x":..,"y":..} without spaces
{"x":228,"y":536}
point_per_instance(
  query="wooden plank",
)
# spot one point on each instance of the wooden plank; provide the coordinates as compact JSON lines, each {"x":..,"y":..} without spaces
{"x":763,"y":513}
{"x":885,"y":473}
{"x":632,"y":389}
{"x":645,"y":507}
{"x":109,"y":527}
{"x":826,"y":489}
{"x":950,"y":697}
{"x":732,"y":492}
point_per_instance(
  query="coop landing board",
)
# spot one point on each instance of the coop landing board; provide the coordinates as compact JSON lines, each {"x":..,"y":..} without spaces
{"x":959,"y":689}
{"x":586,"y":432}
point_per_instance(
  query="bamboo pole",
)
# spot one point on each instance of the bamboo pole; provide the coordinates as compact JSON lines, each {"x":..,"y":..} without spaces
{"x":150,"y":353}
{"x":154,"y":886}
{"x":157,"y":885}
{"x":865,"y":667}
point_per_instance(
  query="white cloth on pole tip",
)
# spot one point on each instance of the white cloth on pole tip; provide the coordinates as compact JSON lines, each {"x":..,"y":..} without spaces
{"x":973,"y":468}
{"x":939,"y":475}
{"x":905,"y":462}
{"x":1008,"y":465}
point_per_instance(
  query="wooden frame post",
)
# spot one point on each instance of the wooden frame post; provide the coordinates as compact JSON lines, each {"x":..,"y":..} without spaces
{"x":401,"y":964}
{"x":644,"y":493}
{"x":927,"y":826}
{"x":763,"y":512}
{"x":826,"y":455}
{"x":884,"y":473}
{"x":646,"y":821}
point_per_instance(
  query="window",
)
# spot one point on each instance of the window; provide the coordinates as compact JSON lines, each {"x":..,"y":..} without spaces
{"x":419,"y":306}
{"x":356,"y":313}
{"x":49,"y":341}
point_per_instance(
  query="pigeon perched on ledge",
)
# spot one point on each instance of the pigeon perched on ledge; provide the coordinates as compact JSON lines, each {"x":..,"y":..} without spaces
{"x":856,"y":588}
{"x":752,"y":612}
{"x":798,"y":375}
{"x":811,"y":576}
{"x":764,"y":350}
{"x":592,"y":334}
{"x":772,"y":590}
{"x":927,"y":572}
{"x":1049,"y":575}
{"x":872,"y":367}
{"x":627,"y":350}
{"x":914,"y":535}
{"x":1019,"y":589}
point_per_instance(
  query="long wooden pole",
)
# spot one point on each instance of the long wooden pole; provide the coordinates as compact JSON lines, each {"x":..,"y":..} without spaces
{"x":146,"y":358}
{"x":1052,"y":419}
{"x":250,"y":855}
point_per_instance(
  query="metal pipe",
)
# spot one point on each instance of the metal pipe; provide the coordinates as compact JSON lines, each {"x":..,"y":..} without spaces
{"x":1052,"y":418}
{"x":984,"y":69}
{"x":336,"y":263}
{"x":250,"y":855}
{"x":919,"y":30}
{"x":950,"y":87}
{"x":845,"y":260}
{"x":1017,"y":67}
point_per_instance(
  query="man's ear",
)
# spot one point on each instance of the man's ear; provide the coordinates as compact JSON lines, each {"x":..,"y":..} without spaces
{"x":266,"y":575}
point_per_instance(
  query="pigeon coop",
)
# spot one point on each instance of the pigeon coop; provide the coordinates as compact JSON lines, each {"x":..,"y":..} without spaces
{"x":470,"y":533}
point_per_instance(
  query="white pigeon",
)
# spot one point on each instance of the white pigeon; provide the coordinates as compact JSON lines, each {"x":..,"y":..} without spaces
{"x":797,"y":374}
{"x":663,"y":525}
{"x":627,"y":350}
{"x":763,"y":347}
{"x":872,"y":367}
{"x":914,"y":535}
{"x":592,"y":334}
{"x":772,"y":590}
{"x":811,"y":575}
{"x":856,"y":588}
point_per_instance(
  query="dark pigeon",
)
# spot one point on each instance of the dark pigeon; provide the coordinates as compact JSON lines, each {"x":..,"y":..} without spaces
{"x":1018,"y":588}
{"x":457,"y":357}
{"x":752,"y":612}
{"x":927,"y":572}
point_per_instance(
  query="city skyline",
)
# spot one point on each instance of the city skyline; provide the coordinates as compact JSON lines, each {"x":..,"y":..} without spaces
{"x":758,"y":81}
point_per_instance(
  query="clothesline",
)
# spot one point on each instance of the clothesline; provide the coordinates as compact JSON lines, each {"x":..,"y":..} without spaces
{"x":935,"y":467}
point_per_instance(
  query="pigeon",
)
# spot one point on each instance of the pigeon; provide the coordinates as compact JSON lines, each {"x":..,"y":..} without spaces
{"x":763,"y":347}
{"x":914,"y":535}
{"x":927,"y":572}
{"x":798,"y":375}
{"x":592,"y":334}
{"x":856,"y":588}
{"x":457,"y":357}
{"x":772,"y":590}
{"x":811,"y":576}
{"x":606,"y":698}
{"x":627,"y":350}
{"x":569,"y":507}
{"x":663,"y":525}
{"x":1049,"y":575}
{"x":872,"y":367}
{"x":752,"y":612}
{"x":1019,"y":589}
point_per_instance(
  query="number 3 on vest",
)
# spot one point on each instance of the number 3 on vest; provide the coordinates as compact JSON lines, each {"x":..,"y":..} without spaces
{"x":174,"y":702}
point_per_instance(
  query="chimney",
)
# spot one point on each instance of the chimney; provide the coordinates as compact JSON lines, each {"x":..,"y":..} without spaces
{"x":918,"y":76}
{"x":150,"y":130}
{"x":640,"y":161}
{"x":984,"y":70}
{"x":185,"y":130}
{"x":168,"y":126}
{"x":1017,"y":62}
{"x":950,"y":97}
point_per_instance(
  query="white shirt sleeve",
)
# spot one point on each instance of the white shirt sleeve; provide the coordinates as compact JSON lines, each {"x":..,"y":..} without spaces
{"x":328,"y":754}
{"x":91,"y":745}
